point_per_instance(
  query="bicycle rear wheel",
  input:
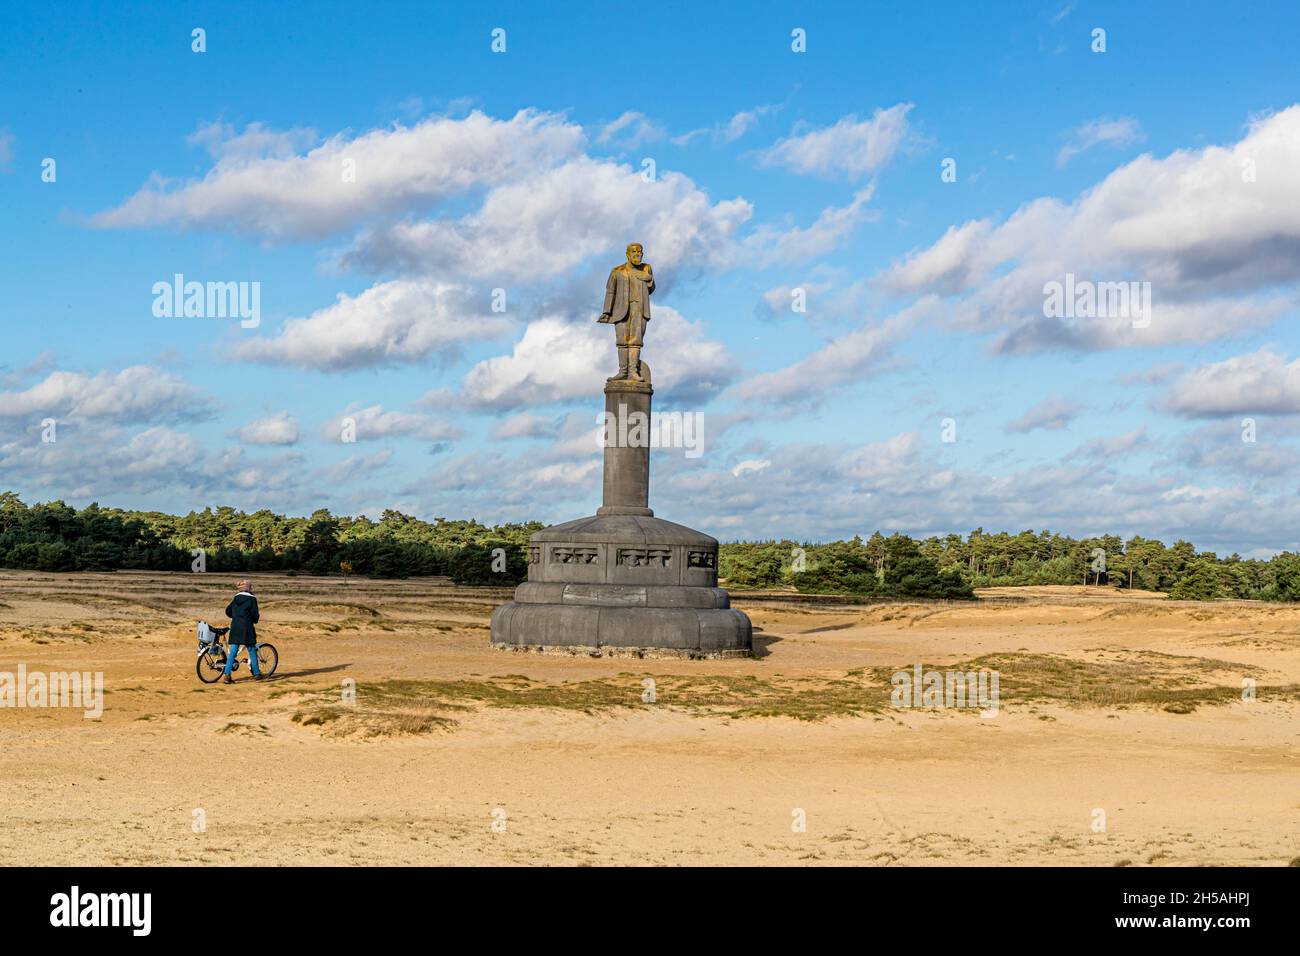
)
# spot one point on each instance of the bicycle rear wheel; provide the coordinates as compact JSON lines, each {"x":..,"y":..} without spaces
{"x":210,"y":665}
{"x":268,"y":659}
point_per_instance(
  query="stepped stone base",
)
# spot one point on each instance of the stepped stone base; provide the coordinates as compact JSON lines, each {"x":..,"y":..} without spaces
{"x":631,"y":585}
{"x":637,"y":631}
{"x":637,"y":653}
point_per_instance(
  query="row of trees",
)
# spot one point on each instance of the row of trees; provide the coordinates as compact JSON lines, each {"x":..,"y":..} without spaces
{"x":56,"y":537}
{"x":981,"y":559}
{"x":897,"y":567}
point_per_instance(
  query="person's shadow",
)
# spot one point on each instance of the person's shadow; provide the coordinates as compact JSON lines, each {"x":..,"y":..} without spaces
{"x":287,"y":675}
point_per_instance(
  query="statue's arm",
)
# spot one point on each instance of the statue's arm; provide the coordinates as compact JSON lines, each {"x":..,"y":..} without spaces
{"x":609,"y":298}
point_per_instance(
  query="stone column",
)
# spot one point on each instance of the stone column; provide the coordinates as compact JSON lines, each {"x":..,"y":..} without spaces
{"x":627,"y":448}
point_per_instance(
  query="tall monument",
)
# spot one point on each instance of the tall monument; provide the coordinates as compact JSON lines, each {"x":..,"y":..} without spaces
{"x":623,"y":581}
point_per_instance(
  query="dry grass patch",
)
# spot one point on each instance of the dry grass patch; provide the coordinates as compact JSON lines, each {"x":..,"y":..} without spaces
{"x":1171,"y":682}
{"x":400,"y":707}
{"x":396,"y":707}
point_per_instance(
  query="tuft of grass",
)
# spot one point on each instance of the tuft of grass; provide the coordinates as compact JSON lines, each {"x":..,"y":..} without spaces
{"x":343,"y":721}
{"x":254,"y":730}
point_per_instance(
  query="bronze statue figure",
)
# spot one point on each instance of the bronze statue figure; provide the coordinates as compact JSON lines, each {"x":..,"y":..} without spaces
{"x":627,"y":307}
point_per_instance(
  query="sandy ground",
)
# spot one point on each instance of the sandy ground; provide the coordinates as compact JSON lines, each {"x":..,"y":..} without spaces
{"x":657,"y":783}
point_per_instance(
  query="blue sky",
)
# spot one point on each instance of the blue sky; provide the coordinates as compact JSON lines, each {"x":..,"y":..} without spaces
{"x":1173,"y":157}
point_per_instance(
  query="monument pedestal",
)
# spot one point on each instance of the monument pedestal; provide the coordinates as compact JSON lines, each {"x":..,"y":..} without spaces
{"x":623,"y":581}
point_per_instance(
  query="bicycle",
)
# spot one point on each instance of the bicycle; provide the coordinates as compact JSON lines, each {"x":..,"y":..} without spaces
{"x":211,"y":662}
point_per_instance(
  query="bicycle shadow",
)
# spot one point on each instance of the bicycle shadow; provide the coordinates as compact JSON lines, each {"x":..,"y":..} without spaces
{"x":306,"y":672}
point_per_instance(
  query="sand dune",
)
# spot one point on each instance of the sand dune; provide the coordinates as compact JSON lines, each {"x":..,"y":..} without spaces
{"x":1126,"y":704}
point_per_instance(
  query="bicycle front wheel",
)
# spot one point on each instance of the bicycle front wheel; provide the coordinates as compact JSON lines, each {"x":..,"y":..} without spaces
{"x":268,"y":659}
{"x":210,"y":666}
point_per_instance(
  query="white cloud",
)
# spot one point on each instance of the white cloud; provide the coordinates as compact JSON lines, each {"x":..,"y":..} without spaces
{"x":852,"y":147}
{"x":1201,"y":226}
{"x":558,"y":361}
{"x":1063,"y":12}
{"x":744,"y":121}
{"x":159,"y":450}
{"x":141,"y":393}
{"x":257,"y":141}
{"x":814,"y":491}
{"x":530,"y":231}
{"x":261,"y":187}
{"x":1153,"y":375}
{"x":1267,"y":465}
{"x":733,"y":129}
{"x":278,"y":429}
{"x":524,"y":425}
{"x":768,"y":244}
{"x":1261,"y":383}
{"x":547,"y":208}
{"x":11,"y":377}
{"x":105,"y":461}
{"x":1124,"y":131}
{"x":259,"y":479}
{"x":954,"y":263}
{"x":630,"y":131}
{"x":1112,"y":448}
{"x":849,"y":358}
{"x":358,"y":467}
{"x":373,"y":423}
{"x":778,"y":302}
{"x":1052,"y":413}
{"x":750,"y":466}
{"x":403,"y":321}
{"x":162,"y":468}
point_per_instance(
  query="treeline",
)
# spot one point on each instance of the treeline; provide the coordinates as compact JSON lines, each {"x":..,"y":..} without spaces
{"x":56,"y":537}
{"x":881,"y":565}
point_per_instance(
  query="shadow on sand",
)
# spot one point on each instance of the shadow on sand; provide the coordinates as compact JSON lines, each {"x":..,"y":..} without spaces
{"x":281,"y":675}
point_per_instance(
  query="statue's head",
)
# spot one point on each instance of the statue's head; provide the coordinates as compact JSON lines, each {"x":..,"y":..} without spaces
{"x":634,"y":253}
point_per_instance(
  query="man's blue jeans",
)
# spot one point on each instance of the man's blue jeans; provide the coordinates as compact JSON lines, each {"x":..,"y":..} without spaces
{"x":252,"y":658}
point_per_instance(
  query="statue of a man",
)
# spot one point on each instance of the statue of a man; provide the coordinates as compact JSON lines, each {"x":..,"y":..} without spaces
{"x":627,"y":306}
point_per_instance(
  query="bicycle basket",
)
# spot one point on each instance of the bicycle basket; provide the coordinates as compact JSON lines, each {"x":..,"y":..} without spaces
{"x":205,"y":633}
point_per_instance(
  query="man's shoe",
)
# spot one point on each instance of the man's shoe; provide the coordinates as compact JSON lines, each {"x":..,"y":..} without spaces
{"x":227,"y":679}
